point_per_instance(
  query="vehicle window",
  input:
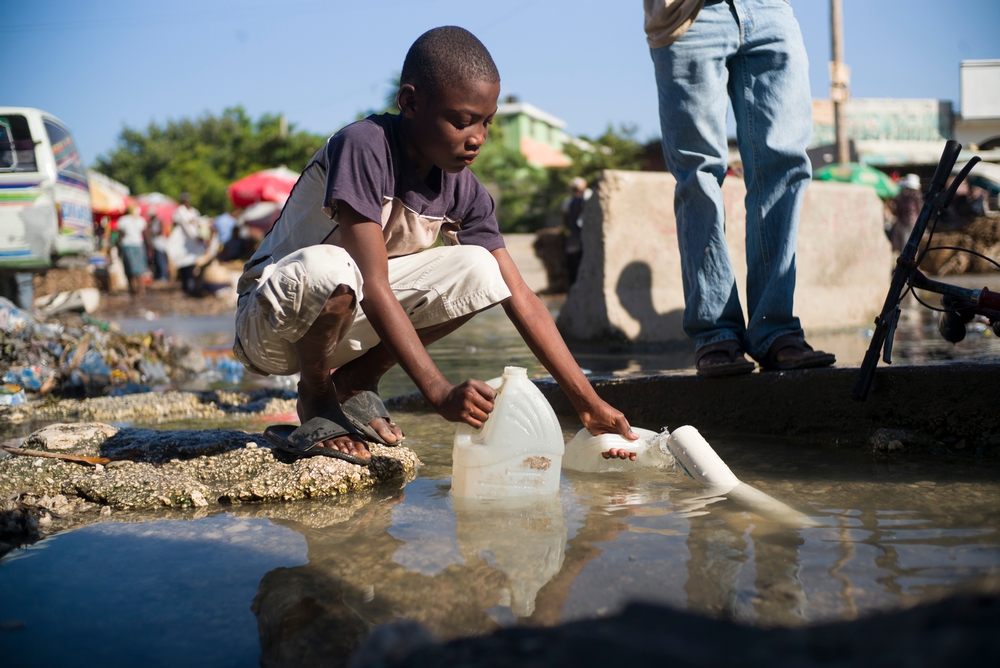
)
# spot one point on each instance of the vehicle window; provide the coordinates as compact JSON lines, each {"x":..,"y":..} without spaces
{"x":68,"y":162}
{"x":17,"y":148}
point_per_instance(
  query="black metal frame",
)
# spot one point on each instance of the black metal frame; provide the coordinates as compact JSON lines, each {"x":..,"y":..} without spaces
{"x":961,"y":302}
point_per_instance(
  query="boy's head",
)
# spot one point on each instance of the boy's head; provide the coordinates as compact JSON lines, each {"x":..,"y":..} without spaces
{"x":447,"y":95}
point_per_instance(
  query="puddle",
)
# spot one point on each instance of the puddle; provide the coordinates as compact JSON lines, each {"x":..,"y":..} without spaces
{"x":178,"y":591}
{"x":282,"y":582}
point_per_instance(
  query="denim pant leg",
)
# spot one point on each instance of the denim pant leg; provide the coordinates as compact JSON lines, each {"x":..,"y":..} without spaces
{"x":691,"y":80}
{"x":769,"y":89}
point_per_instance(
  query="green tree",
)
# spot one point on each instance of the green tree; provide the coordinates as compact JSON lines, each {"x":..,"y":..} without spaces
{"x":515,"y":180}
{"x":203,"y":156}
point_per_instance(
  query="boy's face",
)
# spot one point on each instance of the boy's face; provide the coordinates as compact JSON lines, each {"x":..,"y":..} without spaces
{"x":450,"y":127}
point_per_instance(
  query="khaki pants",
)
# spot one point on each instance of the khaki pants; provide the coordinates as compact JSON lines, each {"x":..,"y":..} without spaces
{"x":433,"y":287}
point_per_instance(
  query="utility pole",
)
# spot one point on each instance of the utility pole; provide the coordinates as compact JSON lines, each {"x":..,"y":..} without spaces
{"x":840,"y":78}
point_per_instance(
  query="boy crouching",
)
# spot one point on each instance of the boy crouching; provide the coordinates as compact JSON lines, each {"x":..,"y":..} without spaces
{"x":358,"y":230}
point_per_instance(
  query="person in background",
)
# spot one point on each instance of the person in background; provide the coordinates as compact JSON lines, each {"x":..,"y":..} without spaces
{"x":130,"y":230}
{"x":158,"y":244}
{"x":906,"y":207}
{"x":572,"y":209}
{"x":185,"y":244}
{"x":707,"y":53}
{"x":224,"y":225}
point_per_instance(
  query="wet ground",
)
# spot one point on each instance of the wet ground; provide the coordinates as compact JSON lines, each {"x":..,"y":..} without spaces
{"x":225,"y":589}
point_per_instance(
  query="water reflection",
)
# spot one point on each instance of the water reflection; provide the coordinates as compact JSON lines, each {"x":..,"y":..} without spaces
{"x":883,"y":534}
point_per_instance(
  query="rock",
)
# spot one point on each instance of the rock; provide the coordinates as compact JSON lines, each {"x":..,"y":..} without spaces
{"x":194,"y":469}
{"x":197,"y":499}
{"x":957,"y":631}
{"x":106,"y":511}
{"x":157,"y":407}
{"x":83,"y":438}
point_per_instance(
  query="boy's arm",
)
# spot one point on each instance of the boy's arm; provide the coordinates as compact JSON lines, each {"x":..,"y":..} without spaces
{"x":535,"y":324}
{"x":472,"y":401}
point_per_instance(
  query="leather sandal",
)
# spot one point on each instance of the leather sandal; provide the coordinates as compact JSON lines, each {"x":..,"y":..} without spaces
{"x":804,"y":357}
{"x":723,"y":358}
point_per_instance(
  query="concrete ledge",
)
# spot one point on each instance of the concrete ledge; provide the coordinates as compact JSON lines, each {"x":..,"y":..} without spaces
{"x":943,"y":409}
{"x":629,"y":288}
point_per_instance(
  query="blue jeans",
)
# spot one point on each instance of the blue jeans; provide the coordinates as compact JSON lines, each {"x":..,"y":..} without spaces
{"x":749,"y":52}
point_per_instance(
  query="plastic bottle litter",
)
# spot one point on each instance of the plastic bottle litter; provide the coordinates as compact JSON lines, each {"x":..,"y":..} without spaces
{"x":518,"y":451}
{"x":30,"y":378}
{"x":12,"y":395}
{"x":585,"y":452}
{"x":13,"y":319}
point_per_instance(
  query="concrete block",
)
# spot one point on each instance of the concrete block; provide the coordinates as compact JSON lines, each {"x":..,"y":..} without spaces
{"x":629,"y":289}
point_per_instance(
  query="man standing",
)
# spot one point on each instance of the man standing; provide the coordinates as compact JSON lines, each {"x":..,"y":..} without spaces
{"x":750,"y":52}
{"x":185,"y":243}
{"x":572,"y":209}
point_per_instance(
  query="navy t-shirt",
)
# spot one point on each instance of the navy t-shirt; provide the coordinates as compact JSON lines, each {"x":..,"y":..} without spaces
{"x":366,"y":165}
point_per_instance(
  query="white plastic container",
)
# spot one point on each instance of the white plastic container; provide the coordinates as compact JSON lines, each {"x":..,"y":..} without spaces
{"x":703,"y":464}
{"x":518,"y":451}
{"x":585,"y":452}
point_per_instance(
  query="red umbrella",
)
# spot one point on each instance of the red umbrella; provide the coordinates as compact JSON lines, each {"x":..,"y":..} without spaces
{"x":270,"y":185}
{"x":158,"y":203}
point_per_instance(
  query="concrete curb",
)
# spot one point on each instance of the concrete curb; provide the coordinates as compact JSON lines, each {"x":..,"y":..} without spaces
{"x":946,"y":409}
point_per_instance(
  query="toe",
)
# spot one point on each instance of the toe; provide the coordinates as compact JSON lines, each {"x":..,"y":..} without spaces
{"x":389,"y":432}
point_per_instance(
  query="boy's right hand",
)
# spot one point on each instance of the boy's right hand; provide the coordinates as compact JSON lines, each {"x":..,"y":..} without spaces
{"x":471,"y":402}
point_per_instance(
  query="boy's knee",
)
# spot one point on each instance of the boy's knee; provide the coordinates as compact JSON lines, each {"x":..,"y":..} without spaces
{"x":476,"y":265}
{"x":310,"y":282}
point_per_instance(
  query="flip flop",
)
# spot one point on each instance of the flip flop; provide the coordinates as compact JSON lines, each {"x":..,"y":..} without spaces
{"x":732,"y":363}
{"x":361,"y":409}
{"x":806,"y":359}
{"x":306,"y":440}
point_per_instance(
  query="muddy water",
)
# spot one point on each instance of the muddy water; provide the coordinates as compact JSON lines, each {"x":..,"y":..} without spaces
{"x":221,"y":589}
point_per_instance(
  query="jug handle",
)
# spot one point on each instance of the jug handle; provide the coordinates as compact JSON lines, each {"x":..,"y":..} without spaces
{"x":465,"y":434}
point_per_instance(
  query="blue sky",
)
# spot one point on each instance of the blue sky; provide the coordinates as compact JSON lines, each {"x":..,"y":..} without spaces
{"x":105,"y":63}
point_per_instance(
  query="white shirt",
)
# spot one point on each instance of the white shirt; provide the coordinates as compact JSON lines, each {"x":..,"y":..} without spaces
{"x":131,"y":228}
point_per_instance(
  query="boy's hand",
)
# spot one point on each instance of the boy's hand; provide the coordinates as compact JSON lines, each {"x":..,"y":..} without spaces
{"x":602,"y":418}
{"x":471,"y":402}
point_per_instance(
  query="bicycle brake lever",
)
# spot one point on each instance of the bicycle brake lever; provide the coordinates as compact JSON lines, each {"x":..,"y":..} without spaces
{"x":890,"y":332}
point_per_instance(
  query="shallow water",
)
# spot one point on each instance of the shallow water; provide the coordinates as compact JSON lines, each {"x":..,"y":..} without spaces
{"x":302,"y":583}
{"x":182,"y":591}
{"x":483,"y":346}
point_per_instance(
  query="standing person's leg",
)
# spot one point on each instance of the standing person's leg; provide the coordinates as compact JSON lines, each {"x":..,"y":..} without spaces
{"x":769,"y":88}
{"x":691,"y":78}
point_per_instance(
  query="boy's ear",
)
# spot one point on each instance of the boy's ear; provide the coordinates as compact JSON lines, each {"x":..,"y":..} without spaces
{"x":406,"y":100}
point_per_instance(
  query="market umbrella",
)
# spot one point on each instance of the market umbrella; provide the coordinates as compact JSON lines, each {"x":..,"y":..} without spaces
{"x":270,"y":185}
{"x":853,"y":172}
{"x":162,"y":205}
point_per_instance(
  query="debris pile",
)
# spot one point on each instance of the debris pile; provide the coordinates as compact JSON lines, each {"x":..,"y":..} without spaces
{"x":77,"y":356}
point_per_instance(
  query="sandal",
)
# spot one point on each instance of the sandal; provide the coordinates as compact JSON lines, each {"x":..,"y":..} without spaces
{"x":364,"y":407}
{"x":723,"y":358}
{"x":306,"y":440}
{"x":806,"y":357}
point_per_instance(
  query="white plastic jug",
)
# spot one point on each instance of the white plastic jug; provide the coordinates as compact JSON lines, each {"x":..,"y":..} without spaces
{"x":517,"y":452}
{"x":585,"y":452}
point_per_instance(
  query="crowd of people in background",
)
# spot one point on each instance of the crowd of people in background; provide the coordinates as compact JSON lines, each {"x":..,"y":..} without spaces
{"x":187,"y":248}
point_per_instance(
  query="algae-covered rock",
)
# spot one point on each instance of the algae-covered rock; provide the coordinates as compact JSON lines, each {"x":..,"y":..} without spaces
{"x":151,"y":469}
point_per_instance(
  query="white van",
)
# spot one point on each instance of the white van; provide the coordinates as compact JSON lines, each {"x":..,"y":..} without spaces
{"x":44,"y":197}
